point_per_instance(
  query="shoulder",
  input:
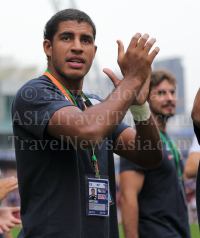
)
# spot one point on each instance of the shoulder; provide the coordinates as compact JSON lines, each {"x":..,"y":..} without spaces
{"x":35,"y":84}
{"x":36,"y":88}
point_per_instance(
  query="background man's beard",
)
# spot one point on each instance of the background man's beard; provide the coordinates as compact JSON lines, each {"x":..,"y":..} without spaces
{"x":165,"y":117}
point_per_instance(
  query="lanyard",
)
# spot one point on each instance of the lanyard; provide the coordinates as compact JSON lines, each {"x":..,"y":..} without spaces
{"x":174,"y":152}
{"x":71,"y":98}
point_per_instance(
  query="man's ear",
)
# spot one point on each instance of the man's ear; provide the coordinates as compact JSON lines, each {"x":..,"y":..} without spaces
{"x":95,"y":50}
{"x":47,"y":48}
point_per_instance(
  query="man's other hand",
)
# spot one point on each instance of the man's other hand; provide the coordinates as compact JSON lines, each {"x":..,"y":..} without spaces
{"x":7,"y":185}
{"x":7,"y":219}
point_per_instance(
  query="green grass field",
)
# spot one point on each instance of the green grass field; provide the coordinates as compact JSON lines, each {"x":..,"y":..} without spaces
{"x":193,"y":227}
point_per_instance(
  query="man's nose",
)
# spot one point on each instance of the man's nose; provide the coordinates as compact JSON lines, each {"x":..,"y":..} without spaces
{"x":77,"y":47}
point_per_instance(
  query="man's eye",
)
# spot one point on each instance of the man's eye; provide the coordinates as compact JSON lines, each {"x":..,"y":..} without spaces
{"x":66,"y":38}
{"x":173,"y":92}
{"x":161,"y":92}
{"x":85,"y":40}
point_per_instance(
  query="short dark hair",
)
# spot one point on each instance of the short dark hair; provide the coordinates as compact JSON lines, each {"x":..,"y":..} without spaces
{"x":52,"y":25}
{"x":157,"y":76}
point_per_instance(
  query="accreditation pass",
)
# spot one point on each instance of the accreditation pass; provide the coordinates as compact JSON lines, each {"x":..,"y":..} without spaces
{"x":97,"y":197}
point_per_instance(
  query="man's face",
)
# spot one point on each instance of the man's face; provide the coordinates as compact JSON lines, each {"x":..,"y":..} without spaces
{"x":72,"y":50}
{"x":93,"y":192}
{"x":162,"y":99}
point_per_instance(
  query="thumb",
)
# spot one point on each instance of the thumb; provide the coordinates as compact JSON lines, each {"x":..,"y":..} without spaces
{"x":120,"y":50}
{"x":112,"y":76}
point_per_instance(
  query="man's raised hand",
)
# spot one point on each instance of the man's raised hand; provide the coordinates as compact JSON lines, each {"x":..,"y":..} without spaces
{"x":136,"y":62}
{"x":140,"y":96}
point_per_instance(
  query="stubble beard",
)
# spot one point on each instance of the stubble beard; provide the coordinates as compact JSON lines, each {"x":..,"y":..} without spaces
{"x":159,"y":114}
{"x":69,"y":77}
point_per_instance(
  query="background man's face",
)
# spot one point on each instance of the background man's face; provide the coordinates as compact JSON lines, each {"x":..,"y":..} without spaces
{"x":93,"y":192}
{"x":162,"y":99}
{"x":73,"y":49}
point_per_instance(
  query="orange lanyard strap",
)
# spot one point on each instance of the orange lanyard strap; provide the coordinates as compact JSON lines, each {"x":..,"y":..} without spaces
{"x":55,"y":81}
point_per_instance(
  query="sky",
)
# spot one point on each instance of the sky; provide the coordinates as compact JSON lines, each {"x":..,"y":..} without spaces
{"x":175,"y":24}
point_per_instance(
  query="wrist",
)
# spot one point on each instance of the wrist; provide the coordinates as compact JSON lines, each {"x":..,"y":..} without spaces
{"x":133,"y":80}
{"x":140,"y":112}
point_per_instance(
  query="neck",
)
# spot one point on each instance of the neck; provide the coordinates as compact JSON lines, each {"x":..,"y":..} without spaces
{"x":160,"y":122}
{"x":74,"y":86}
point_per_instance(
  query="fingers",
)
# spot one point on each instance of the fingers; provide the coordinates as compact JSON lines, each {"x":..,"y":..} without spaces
{"x":7,"y":185}
{"x":12,"y":182}
{"x":10,"y":224}
{"x":10,"y":189}
{"x":145,"y":46}
{"x":142,"y":42}
{"x":120,"y":50}
{"x":5,"y":228}
{"x":149,"y":45}
{"x":112,"y":76}
{"x":7,"y":220}
{"x":134,"y":41}
{"x":5,"y":180}
{"x":8,"y":181}
{"x":154,"y":53}
{"x":16,"y":221}
{"x":15,"y":209}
